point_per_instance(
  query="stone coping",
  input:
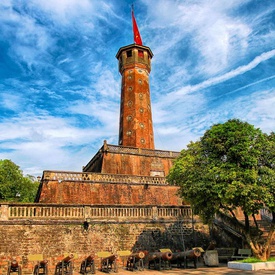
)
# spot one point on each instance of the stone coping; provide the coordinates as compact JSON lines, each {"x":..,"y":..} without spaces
{"x":252,"y":266}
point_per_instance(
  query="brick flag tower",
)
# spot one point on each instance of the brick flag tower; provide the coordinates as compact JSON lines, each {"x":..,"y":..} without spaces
{"x":136,"y":126}
{"x":132,"y":172}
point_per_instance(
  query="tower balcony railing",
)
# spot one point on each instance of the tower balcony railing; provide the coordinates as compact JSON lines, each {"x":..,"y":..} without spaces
{"x":117,"y":149}
{"x":102,"y":178}
{"x":142,"y":151}
{"x":38,"y":211}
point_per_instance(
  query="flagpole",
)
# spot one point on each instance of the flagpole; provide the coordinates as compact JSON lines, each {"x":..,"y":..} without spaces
{"x":137,"y":37}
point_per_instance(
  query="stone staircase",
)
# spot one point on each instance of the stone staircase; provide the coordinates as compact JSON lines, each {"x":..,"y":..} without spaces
{"x":263,"y":223}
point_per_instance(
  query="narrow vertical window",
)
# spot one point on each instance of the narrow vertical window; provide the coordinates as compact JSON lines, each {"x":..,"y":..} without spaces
{"x":129,"y":53}
{"x":140,"y":54}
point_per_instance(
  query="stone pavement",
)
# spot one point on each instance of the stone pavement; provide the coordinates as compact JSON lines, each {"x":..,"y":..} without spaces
{"x":222,"y":269}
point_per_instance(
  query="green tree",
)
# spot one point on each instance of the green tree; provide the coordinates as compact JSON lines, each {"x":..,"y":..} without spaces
{"x":230,"y":170}
{"x":14,"y":186}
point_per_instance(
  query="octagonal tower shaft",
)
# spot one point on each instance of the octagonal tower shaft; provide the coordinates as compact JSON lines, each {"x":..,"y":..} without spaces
{"x":136,"y":125}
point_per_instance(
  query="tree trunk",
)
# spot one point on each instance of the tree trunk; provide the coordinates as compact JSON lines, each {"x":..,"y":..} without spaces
{"x":261,"y":251}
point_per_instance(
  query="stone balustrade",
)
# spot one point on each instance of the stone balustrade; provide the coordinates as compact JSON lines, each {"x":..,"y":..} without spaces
{"x":102,"y":178}
{"x":39,"y":211}
{"x":141,"y":151}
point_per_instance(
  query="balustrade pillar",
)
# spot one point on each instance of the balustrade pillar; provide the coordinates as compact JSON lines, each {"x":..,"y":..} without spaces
{"x":4,"y":212}
{"x":154,"y":212}
{"x":87,"y":212}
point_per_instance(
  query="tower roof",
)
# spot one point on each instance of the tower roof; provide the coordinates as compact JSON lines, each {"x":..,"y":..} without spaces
{"x":134,"y":46}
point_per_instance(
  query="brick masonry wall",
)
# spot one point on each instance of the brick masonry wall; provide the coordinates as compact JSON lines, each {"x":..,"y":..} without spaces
{"x":53,"y":239}
{"x":114,"y":163}
{"x":116,"y":194}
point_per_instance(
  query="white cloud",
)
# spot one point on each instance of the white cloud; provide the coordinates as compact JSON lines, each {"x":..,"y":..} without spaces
{"x":219,"y":43}
{"x":262,"y":112}
{"x":64,"y":11}
{"x":213,"y":61}
{"x":215,"y":36}
{"x":58,"y":131}
{"x":215,"y":80}
{"x":107,"y":85}
{"x":101,"y":110}
{"x":10,"y":101}
{"x":48,"y":142}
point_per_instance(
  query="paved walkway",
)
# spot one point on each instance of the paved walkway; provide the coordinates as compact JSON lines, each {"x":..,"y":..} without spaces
{"x":222,"y":269}
{"x":199,"y":271}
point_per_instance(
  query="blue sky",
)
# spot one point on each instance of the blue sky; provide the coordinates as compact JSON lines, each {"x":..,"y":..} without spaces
{"x":60,"y":87}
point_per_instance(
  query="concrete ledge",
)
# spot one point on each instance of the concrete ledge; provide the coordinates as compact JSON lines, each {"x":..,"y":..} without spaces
{"x":252,"y":266}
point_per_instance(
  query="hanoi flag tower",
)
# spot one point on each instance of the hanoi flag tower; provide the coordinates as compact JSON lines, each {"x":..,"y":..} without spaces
{"x":136,"y":126}
{"x":132,"y":172}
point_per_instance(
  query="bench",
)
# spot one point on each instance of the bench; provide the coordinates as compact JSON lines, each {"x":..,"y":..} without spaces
{"x":243,"y":253}
{"x":124,"y":254}
{"x":165,"y":250}
{"x":225,"y":253}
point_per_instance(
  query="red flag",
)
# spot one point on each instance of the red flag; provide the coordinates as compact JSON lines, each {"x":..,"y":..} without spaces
{"x":137,"y":37}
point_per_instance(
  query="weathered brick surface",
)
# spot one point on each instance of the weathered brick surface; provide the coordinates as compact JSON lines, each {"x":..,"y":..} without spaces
{"x":108,"y":193}
{"x":53,"y":240}
{"x":113,"y":159}
{"x":141,"y":165}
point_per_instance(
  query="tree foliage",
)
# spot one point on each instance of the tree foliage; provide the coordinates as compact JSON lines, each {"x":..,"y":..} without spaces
{"x":14,"y":186}
{"x":230,"y":170}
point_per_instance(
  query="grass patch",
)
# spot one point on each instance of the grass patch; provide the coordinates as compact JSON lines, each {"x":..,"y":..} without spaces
{"x":252,"y":260}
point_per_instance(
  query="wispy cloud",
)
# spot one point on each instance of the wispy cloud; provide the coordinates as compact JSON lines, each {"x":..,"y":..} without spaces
{"x":60,"y":85}
{"x":215,"y":80}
